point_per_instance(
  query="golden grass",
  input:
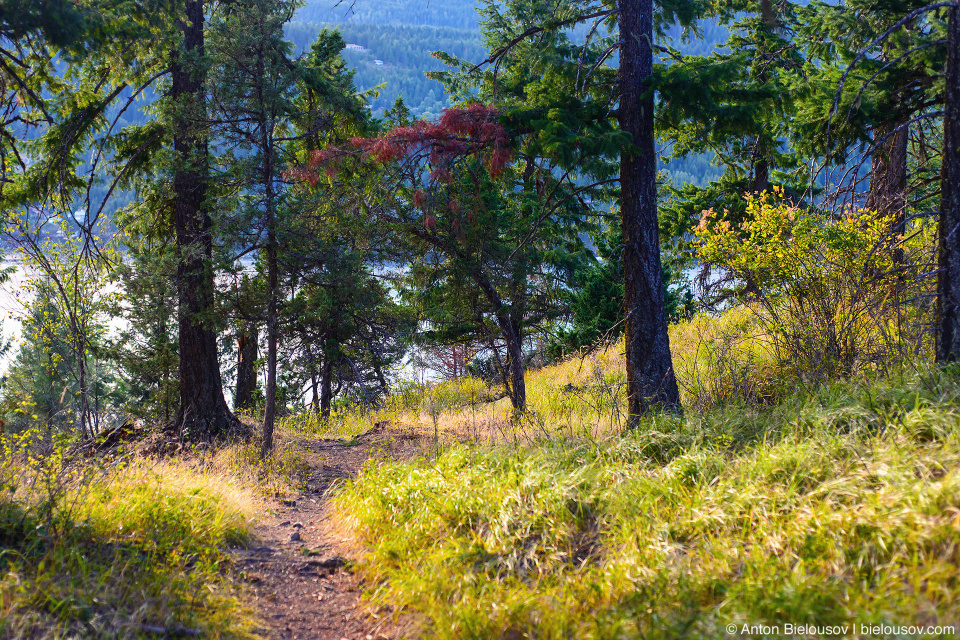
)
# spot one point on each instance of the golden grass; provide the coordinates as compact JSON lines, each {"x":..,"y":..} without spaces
{"x":109,"y":548}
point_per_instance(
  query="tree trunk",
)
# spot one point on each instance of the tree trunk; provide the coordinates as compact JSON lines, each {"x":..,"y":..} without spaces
{"x":948,"y":283}
{"x":384,"y":387}
{"x":203,"y":414}
{"x":650,"y":378}
{"x":266,"y":125}
{"x":84,"y":395}
{"x":518,"y":386}
{"x":515,"y":384}
{"x":269,"y":412}
{"x":888,"y":174}
{"x":761,"y":170}
{"x":246,"y":369}
{"x":359,"y":380}
{"x":760,"y":160}
{"x":325,"y":384}
{"x":314,"y":379}
{"x":888,"y":182}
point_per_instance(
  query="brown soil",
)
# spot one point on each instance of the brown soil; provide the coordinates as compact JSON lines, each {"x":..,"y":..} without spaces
{"x":300,"y":571}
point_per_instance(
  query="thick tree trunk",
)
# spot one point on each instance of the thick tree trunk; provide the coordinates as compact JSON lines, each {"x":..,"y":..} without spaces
{"x":246,"y":367}
{"x":203,"y":414}
{"x":888,"y":182}
{"x":948,"y":284}
{"x":325,"y":385}
{"x":650,"y":378}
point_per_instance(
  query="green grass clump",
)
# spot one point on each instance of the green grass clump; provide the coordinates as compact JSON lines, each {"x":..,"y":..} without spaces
{"x":120,"y":552}
{"x":838,"y":509}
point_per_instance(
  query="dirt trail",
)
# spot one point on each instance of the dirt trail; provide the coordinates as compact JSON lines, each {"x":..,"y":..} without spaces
{"x":300,"y":573}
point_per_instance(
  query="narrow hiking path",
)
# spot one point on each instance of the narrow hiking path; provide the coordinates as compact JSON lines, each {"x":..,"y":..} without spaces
{"x":300,"y":572}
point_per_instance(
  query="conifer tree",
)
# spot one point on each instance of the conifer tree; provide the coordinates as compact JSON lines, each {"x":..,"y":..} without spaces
{"x":204,"y":414}
{"x":948,"y":284}
{"x":735,"y":105}
{"x":867,"y":84}
{"x":253,"y":85}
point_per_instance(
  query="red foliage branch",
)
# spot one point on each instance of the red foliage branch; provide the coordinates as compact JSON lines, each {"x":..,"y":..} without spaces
{"x":459,"y":133}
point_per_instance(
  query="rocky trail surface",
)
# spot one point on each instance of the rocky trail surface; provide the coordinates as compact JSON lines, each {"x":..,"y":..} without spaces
{"x":300,"y":571}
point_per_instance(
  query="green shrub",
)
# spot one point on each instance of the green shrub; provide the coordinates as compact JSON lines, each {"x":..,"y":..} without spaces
{"x":836,"y":294}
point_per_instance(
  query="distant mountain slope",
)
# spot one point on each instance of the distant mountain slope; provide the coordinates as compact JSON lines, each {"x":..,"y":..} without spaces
{"x":398,"y":57}
{"x":458,"y":14}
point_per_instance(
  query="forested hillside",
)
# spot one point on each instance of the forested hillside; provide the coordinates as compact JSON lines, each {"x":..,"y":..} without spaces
{"x":610,"y":319}
{"x":395,"y":59}
{"x":455,"y":14}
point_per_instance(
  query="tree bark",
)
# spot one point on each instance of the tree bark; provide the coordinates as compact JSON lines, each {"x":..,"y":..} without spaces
{"x":650,"y":377}
{"x":359,"y":380}
{"x":246,"y":369}
{"x":760,"y":160}
{"x":948,"y":282}
{"x":384,"y":387}
{"x":888,"y":174}
{"x":761,"y":170}
{"x":270,"y":392}
{"x":517,"y":389}
{"x":515,"y":384}
{"x":314,"y":379}
{"x":270,"y":408}
{"x":203,"y":414}
{"x":887,"y":195}
{"x":888,"y":181}
{"x":325,"y":388}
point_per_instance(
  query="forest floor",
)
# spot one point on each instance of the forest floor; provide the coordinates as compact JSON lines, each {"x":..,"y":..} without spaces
{"x":299,"y":571}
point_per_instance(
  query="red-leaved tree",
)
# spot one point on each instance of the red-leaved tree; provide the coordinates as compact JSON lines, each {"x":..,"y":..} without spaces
{"x":473,"y":219}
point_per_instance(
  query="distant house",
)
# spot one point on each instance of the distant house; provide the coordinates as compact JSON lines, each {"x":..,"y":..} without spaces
{"x":355,"y":47}
{"x":378,"y":62}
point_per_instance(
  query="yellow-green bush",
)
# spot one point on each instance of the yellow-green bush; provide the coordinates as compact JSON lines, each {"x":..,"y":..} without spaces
{"x":726,"y":359}
{"x":836,"y":294}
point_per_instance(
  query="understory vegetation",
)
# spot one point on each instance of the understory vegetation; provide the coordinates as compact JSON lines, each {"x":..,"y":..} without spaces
{"x":838,"y":507}
{"x":128,"y":546}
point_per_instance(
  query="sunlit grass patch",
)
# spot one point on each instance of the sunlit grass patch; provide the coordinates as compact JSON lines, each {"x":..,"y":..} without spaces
{"x":284,"y":469}
{"x":839,"y":508}
{"x":118,"y":552}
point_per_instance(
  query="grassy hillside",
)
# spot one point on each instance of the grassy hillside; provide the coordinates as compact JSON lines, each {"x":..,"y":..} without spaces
{"x":832,"y":507}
